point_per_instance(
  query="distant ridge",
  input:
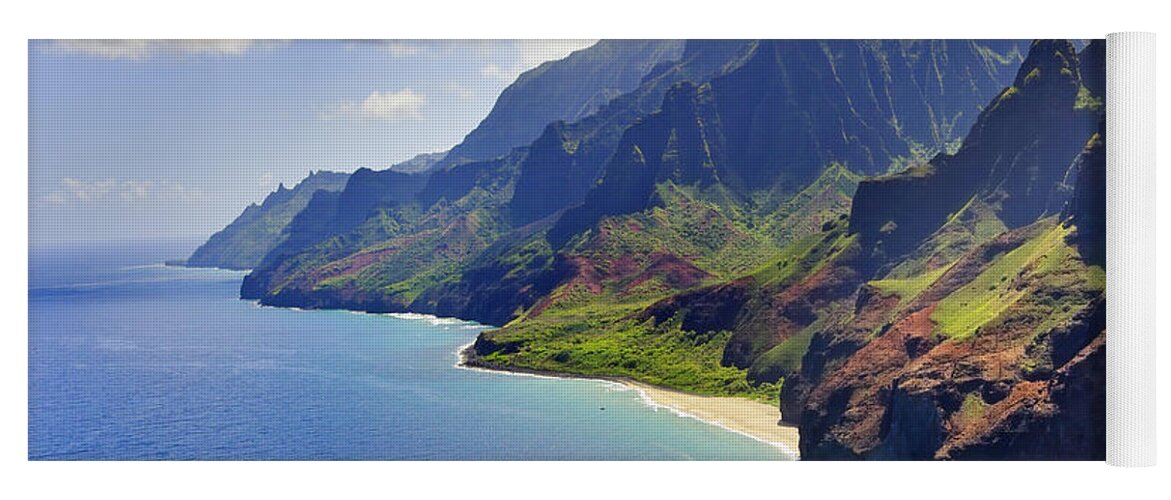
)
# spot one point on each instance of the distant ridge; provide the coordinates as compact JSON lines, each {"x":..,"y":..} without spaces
{"x":260,"y":228}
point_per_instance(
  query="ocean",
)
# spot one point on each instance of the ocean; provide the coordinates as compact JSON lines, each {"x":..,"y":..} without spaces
{"x":133,"y":360}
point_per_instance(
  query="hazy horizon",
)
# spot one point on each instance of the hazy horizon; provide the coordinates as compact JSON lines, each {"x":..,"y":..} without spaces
{"x":135,"y":140}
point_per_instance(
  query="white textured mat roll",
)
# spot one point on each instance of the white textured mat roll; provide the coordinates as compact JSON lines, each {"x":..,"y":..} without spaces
{"x":1130,"y":251}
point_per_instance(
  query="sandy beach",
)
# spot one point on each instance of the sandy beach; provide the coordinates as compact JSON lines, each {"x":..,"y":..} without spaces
{"x":753,"y":419}
{"x":756,"y":420}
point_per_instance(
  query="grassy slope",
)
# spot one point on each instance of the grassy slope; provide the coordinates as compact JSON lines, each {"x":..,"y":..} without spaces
{"x":1045,"y":260}
{"x":401,"y":250}
{"x":589,"y":325}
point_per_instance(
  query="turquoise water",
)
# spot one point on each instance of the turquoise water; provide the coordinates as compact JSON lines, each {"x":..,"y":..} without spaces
{"x":129,"y":361}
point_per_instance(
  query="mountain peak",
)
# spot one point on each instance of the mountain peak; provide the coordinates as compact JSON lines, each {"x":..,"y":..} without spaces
{"x":567,"y":89}
{"x":1052,"y":64}
{"x":1013,"y":158}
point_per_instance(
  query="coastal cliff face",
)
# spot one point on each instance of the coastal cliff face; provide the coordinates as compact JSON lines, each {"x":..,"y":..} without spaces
{"x":952,"y":315}
{"x":681,"y":198}
{"x":976,"y":327}
{"x":697,"y":150}
{"x":260,"y":228}
{"x":464,"y":207}
{"x":680,"y":267}
{"x":903,"y":240}
{"x":568,"y":157}
{"x":1006,"y":162}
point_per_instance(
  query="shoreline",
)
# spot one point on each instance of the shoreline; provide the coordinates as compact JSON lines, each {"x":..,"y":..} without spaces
{"x":752,"y":419}
{"x":758,"y":421}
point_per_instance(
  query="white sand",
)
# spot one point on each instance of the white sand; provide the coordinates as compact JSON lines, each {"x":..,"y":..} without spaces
{"x":750,"y":418}
{"x":756,"y":420}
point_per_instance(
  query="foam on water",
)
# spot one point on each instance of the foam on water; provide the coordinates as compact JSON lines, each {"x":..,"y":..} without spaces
{"x":165,"y":363}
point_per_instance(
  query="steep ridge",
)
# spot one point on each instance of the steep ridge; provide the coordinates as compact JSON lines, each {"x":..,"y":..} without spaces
{"x":567,"y":89}
{"x":997,"y":352}
{"x":1087,"y":208}
{"x":374,"y":246}
{"x":977,"y":334}
{"x":690,"y":245}
{"x":537,"y":97}
{"x":450,"y":190}
{"x":951,"y":309}
{"x":561,"y":166}
{"x":245,"y":242}
{"x":420,"y":163}
{"x":333,"y":228}
{"x":790,"y":107}
{"x":1039,"y":121}
{"x":586,"y":143}
{"x":568,"y":158}
{"x":260,"y":228}
{"x":329,"y":214}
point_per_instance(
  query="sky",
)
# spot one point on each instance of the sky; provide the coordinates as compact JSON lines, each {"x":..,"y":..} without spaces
{"x":138,"y":140}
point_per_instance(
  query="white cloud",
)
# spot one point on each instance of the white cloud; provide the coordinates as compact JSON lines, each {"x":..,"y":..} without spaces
{"x":494,"y":72}
{"x":85,"y":191}
{"x":460,"y":91}
{"x":534,"y":52}
{"x":530,"y":54}
{"x":396,"y":48}
{"x":401,"y":48}
{"x":145,"y":49}
{"x":402,"y":104}
{"x":93,"y":192}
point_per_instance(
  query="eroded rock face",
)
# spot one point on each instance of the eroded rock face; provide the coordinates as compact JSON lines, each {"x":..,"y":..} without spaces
{"x":1028,"y":384}
{"x":785,"y":110}
{"x":1017,"y":157}
{"x":886,"y":372}
{"x":898,"y":381}
{"x":710,"y":309}
{"x":910,"y":394}
{"x":1060,"y":418}
{"x":1088,"y":206}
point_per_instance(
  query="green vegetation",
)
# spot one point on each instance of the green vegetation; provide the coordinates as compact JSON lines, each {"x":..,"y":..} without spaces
{"x":782,"y":359}
{"x":909,"y":288}
{"x":920,"y":155}
{"x":822,"y":202}
{"x":1005,"y":96}
{"x":968,"y":227}
{"x":804,"y":256}
{"x":1002,"y":284}
{"x":656,"y":354}
{"x":672,"y":240}
{"x":638,"y":259}
{"x":1033,"y":75}
{"x":972,"y":409}
{"x":1087,"y":100}
{"x":993,"y":58}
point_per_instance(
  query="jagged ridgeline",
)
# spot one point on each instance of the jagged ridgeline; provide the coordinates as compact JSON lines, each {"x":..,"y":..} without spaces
{"x":972,"y":311}
{"x":565,"y":90}
{"x":956,"y":312}
{"x":469,"y":214}
{"x":902,"y":239}
{"x":560,"y":90}
{"x":458,"y":195}
{"x":260,"y":228}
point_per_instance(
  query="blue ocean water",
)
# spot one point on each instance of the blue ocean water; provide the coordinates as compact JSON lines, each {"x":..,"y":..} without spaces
{"x":130,"y":360}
